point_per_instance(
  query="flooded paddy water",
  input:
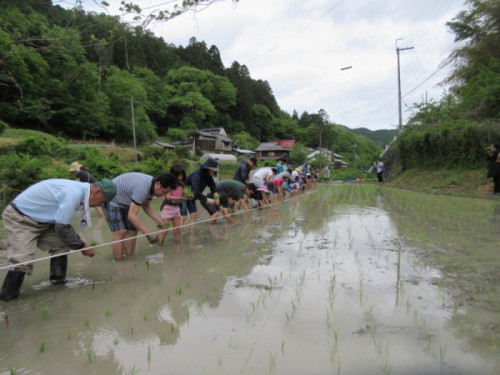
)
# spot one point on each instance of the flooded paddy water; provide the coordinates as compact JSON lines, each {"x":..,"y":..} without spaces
{"x":348,"y":279}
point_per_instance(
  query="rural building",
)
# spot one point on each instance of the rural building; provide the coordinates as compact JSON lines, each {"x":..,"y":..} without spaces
{"x":165,"y":145}
{"x":209,"y":140}
{"x":271,"y":151}
{"x":286,"y":143}
{"x":336,"y":159}
{"x":224,"y":158}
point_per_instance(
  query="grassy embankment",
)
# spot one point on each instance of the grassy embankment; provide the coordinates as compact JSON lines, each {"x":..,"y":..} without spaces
{"x":473,"y":183}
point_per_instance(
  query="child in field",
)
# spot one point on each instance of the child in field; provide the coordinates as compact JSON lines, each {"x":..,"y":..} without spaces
{"x":173,"y":208}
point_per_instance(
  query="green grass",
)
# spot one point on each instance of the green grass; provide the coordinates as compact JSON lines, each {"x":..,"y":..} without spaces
{"x":463,"y":182}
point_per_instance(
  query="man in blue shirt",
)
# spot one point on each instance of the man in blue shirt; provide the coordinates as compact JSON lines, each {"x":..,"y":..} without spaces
{"x":41,"y":217}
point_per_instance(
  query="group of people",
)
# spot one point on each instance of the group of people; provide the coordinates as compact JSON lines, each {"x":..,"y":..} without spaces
{"x":41,"y":215}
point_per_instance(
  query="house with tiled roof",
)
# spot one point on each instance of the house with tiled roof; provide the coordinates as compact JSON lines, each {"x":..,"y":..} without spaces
{"x":286,"y":143}
{"x":336,"y":159}
{"x":209,"y":141}
{"x":271,"y":151}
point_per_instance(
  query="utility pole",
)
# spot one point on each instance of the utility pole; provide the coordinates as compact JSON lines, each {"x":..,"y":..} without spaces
{"x":133,"y":128}
{"x":399,"y":83}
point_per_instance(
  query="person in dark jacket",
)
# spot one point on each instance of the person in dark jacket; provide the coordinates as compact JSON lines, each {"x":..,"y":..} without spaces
{"x":198,"y":181}
{"x":494,"y":166}
{"x":242,"y":173}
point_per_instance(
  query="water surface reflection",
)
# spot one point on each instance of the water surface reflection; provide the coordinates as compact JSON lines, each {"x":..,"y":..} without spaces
{"x":348,"y":279}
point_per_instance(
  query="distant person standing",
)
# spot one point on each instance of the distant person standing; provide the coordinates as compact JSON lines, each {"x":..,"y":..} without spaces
{"x":379,"y":168}
{"x":326,"y":173}
{"x":494,"y":166}
{"x":242,"y":173}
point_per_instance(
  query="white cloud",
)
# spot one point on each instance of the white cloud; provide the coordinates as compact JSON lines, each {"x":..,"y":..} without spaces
{"x":299,"y":47}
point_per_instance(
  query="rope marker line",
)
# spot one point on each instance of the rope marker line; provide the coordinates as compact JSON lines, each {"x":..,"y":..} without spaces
{"x":144,"y":235}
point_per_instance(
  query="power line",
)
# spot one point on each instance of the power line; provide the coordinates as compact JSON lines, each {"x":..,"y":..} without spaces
{"x":274,"y":47}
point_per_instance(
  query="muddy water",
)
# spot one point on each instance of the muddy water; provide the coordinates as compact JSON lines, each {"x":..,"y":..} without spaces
{"x":349,"y":279}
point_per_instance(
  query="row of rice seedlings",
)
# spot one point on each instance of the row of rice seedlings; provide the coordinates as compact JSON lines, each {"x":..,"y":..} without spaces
{"x":421,"y":325}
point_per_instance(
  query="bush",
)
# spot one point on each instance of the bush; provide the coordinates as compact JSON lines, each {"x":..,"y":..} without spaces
{"x":21,"y":171}
{"x":42,"y":145}
{"x":3,"y":126}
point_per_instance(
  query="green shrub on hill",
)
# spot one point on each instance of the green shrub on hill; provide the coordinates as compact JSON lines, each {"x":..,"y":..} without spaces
{"x":42,"y":145}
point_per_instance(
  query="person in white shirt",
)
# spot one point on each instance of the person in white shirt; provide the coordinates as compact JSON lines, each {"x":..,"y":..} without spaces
{"x":379,"y":166}
{"x":262,"y":176}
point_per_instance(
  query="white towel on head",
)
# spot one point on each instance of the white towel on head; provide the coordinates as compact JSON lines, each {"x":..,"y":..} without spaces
{"x":86,"y":221}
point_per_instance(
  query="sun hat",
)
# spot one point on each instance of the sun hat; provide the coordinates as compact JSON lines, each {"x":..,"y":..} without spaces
{"x":263,"y":188}
{"x":109,"y":189}
{"x":74,"y":166}
{"x":211,"y":164}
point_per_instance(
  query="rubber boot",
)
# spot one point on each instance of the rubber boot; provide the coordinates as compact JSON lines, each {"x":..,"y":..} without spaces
{"x":58,"y":266}
{"x":11,"y":288}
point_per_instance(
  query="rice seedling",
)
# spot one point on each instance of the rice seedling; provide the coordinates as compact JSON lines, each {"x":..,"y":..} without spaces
{"x":220,"y":357}
{"x":69,"y":303}
{"x":328,"y":319}
{"x":494,"y":340}
{"x":272,"y":363}
{"x":108,"y":313}
{"x":150,"y":352}
{"x":90,"y":356}
{"x":283,"y":347}
{"x":133,"y":371}
{"x":41,"y":346}
{"x":45,"y":313}
{"x":86,"y":323}
{"x":162,"y":339}
{"x":116,"y":340}
{"x":385,"y":359}
{"x":69,"y":335}
{"x":442,"y":354}
{"x":131,"y":330}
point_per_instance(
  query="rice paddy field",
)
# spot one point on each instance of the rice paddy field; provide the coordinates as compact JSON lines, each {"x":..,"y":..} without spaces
{"x":346,"y":279}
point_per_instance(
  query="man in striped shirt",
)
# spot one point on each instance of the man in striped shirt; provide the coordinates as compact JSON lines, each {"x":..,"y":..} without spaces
{"x":133,"y":192}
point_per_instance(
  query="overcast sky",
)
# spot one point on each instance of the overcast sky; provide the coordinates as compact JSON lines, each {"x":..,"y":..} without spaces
{"x":300,"y":46}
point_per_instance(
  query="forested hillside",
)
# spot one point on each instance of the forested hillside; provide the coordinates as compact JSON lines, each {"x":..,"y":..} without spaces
{"x":78,"y":74}
{"x":381,"y":137}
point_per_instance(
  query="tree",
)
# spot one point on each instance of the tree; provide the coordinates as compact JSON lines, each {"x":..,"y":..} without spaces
{"x":122,"y":88}
{"x":197,"y":55}
{"x":196,"y":96}
{"x":245,"y":141}
{"x":476,"y":75}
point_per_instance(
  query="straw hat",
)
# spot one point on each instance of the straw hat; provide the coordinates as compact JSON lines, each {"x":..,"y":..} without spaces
{"x":74,"y":166}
